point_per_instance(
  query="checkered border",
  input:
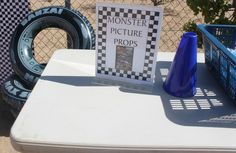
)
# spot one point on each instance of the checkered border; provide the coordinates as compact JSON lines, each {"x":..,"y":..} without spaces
{"x":11,"y":13}
{"x":153,"y":18}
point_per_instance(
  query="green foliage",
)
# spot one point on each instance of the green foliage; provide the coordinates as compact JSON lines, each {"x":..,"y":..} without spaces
{"x":192,"y":26}
{"x":157,"y":2}
{"x":213,"y":12}
{"x":160,"y":2}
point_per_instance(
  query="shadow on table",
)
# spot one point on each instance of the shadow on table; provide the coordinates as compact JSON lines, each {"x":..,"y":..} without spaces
{"x":72,"y":80}
{"x":210,"y":107}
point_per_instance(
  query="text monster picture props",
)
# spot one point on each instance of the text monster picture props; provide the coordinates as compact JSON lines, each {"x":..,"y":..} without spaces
{"x":127,"y":42}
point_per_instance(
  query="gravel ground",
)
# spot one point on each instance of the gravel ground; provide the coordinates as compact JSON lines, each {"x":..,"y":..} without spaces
{"x":6,"y":121}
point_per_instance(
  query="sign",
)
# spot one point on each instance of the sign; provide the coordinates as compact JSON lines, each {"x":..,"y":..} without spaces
{"x":127,"y":42}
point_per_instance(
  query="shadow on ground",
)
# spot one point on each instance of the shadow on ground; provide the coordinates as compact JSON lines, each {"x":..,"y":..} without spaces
{"x":6,"y":119}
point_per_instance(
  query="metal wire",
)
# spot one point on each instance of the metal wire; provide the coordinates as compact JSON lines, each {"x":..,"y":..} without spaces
{"x":47,"y":41}
{"x":176,"y":14}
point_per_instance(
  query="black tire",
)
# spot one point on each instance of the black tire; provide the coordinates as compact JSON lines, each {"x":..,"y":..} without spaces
{"x":14,"y":112}
{"x":14,"y":93}
{"x":79,"y":30}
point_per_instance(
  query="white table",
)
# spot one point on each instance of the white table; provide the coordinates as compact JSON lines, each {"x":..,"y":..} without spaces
{"x":69,"y":112}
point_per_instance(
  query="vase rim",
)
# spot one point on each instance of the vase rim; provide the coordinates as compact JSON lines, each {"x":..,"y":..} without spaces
{"x":190,"y":34}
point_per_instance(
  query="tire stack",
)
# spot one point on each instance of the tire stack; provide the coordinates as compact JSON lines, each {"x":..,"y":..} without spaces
{"x":17,"y":88}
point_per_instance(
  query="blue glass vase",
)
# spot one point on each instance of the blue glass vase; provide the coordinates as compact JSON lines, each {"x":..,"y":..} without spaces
{"x":181,"y":79}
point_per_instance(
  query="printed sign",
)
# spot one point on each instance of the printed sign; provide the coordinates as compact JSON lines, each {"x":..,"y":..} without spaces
{"x":127,"y":42}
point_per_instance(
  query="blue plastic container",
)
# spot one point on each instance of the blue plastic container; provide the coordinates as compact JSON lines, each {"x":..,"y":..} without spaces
{"x":181,"y":79}
{"x":218,"y":40}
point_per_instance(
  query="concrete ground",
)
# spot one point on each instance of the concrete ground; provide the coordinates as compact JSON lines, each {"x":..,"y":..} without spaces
{"x":6,"y":121}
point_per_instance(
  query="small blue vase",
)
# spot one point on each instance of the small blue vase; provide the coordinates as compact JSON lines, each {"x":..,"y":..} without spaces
{"x":181,"y":79}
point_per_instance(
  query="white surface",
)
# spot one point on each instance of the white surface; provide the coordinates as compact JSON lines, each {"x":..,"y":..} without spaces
{"x":68,"y":112}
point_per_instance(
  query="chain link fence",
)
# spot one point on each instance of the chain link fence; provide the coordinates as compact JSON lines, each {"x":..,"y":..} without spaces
{"x":176,"y":14}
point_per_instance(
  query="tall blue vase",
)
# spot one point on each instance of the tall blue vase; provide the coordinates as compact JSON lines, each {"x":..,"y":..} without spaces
{"x":181,"y":79}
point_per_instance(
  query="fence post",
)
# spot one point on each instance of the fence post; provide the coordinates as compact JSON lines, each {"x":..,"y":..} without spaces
{"x":68,"y":5}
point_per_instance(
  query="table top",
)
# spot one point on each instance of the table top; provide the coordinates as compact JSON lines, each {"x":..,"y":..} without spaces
{"x":69,"y":109}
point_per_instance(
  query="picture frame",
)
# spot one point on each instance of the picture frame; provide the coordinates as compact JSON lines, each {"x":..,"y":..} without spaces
{"x":127,"y":42}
